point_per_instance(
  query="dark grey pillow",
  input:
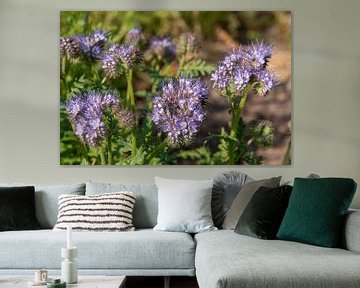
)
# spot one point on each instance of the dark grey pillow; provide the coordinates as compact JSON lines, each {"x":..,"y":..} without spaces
{"x":226,"y":187}
{"x":243,"y":198}
{"x":263,"y":214}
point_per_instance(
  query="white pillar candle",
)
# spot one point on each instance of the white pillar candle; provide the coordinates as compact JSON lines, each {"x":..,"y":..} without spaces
{"x":69,"y":237}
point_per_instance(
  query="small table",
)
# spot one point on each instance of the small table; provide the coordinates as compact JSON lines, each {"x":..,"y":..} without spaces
{"x":84,"y":281}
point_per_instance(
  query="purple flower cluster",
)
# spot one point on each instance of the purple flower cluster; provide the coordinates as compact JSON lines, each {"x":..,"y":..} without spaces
{"x":118,"y":58}
{"x":163,"y":48}
{"x":125,"y":118}
{"x":244,"y":66}
{"x":134,"y":36}
{"x":69,"y":47}
{"x":92,"y":45}
{"x":178,"y":110}
{"x":86,"y":112}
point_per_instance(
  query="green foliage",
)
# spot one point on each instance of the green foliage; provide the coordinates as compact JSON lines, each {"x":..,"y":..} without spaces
{"x":201,"y":155}
{"x":70,"y":147}
{"x":197,"y":67}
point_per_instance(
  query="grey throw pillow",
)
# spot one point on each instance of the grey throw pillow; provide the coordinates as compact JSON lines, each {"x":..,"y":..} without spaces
{"x":184,"y":205}
{"x":226,"y":187}
{"x":146,"y":205}
{"x":242,"y":199}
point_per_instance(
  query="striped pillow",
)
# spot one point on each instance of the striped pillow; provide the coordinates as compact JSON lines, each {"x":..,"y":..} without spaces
{"x":105,"y":212}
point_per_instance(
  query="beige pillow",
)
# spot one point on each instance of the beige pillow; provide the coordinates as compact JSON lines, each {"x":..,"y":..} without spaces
{"x":243,"y":198}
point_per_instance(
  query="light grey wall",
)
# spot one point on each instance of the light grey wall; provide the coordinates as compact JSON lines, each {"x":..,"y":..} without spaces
{"x":326,"y":90}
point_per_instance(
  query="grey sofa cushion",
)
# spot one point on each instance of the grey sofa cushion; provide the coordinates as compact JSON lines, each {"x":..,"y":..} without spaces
{"x":146,"y":204}
{"x":226,"y":259}
{"x":143,"y":249}
{"x":351,"y":234}
{"x":46,"y":200}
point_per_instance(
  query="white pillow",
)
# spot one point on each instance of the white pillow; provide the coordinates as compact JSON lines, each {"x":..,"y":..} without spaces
{"x":184,"y":205}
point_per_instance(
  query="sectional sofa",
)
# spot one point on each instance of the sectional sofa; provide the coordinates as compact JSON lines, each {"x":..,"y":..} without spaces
{"x":219,"y":259}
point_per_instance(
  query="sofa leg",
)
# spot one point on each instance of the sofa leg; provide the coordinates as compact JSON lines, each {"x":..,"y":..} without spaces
{"x":167,"y":282}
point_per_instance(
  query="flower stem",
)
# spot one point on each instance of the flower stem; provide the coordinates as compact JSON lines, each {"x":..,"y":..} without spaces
{"x":102,"y":156}
{"x":130,"y":98}
{"x":82,"y":147}
{"x":130,"y":103}
{"x":237,"y":114}
{"x":109,"y":149}
{"x":63,"y":65}
{"x":133,"y":144}
{"x":84,"y":154}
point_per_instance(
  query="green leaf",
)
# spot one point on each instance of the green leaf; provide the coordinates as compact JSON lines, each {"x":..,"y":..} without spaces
{"x":196,"y":68}
{"x":201,"y":155}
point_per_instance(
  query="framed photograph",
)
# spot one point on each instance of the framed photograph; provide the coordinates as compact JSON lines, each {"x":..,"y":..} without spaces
{"x":175,"y":87}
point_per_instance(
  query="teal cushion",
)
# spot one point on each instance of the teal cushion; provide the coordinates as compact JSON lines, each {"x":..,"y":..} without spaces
{"x":316,"y":211}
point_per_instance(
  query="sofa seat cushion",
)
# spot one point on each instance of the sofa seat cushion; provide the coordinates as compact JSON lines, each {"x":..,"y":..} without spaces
{"x":226,"y":259}
{"x":141,"y":249}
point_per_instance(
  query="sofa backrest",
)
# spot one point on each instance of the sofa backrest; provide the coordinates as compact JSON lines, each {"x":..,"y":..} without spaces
{"x":46,"y":200}
{"x":146,"y":203}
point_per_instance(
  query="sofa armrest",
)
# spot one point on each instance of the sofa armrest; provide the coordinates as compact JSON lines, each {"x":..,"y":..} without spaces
{"x":351,"y":234}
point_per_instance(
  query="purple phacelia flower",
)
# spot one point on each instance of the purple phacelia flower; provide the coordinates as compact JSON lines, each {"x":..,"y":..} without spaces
{"x":86,"y":112}
{"x":223,"y":76}
{"x":243,"y":66}
{"x":134,"y":36}
{"x":92,"y":45}
{"x":118,"y":58}
{"x":125,"y":118}
{"x":74,"y":108}
{"x":69,"y":47}
{"x":163,"y":47}
{"x":178,"y":110}
{"x":128,"y":53}
{"x":111,"y":65}
{"x":109,"y":99}
{"x":266,"y":80}
{"x":241,"y":78}
{"x":258,"y":55}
